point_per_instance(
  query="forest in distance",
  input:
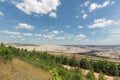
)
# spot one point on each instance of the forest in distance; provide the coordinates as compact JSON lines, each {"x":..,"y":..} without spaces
{"x":53,"y":64}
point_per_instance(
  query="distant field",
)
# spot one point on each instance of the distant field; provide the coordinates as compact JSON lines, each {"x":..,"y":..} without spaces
{"x":20,"y":70}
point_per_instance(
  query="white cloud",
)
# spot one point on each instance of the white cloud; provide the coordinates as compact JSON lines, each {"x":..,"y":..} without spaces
{"x":2,"y":0}
{"x":24,"y":26}
{"x":53,"y":14}
{"x":95,"y":6}
{"x":18,"y":36}
{"x":80,"y":36}
{"x":80,"y":26}
{"x":112,"y":34}
{"x":113,"y":2}
{"x":45,"y":30}
{"x":60,"y":37}
{"x":115,"y":32}
{"x":27,"y":34}
{"x":69,"y":36}
{"x":38,"y":6}
{"x":38,"y":35}
{"x":55,"y":32}
{"x":49,"y":36}
{"x":1,"y":13}
{"x":84,"y":14}
{"x":10,"y":32}
{"x":85,"y":4}
{"x":75,"y":37}
{"x":101,"y":23}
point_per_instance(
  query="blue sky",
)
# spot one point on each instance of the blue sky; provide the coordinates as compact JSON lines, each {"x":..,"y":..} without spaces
{"x":64,"y":22}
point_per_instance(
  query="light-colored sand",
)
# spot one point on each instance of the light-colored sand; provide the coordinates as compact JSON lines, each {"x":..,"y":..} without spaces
{"x":55,"y":48}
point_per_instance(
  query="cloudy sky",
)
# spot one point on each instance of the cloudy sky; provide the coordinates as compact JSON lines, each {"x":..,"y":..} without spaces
{"x":65,"y":22}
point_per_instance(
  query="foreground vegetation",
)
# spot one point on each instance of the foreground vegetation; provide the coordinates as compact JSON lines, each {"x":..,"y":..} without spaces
{"x":17,"y":69}
{"x":54,"y":64}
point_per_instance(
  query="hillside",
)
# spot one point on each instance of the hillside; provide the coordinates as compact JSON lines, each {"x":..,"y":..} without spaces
{"x":19,"y":70}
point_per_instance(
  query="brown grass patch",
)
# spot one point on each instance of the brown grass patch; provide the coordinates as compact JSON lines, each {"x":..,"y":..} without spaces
{"x":19,"y":70}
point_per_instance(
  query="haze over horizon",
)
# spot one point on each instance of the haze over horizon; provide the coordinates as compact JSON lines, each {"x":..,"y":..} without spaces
{"x":63,"y":22}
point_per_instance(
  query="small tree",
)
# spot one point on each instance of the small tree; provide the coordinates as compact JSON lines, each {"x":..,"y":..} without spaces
{"x":77,"y":76}
{"x":90,"y":75}
{"x":5,"y":53}
{"x":65,"y":61}
{"x":73,"y":61}
{"x":54,"y":74}
{"x":101,"y":76}
{"x":84,"y":64}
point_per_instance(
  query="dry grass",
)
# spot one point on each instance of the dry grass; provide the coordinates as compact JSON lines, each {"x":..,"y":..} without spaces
{"x":19,"y":70}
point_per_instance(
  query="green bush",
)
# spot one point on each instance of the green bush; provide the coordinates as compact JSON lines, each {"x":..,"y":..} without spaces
{"x":73,"y":61}
{"x":90,"y":75}
{"x":101,"y":76}
{"x":5,"y":52}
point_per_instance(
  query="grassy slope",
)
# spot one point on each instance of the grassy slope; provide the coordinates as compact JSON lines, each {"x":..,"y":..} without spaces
{"x":19,"y":70}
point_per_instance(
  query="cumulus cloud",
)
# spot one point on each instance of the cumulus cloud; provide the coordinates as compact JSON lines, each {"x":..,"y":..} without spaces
{"x":75,"y":37}
{"x":55,"y":32}
{"x":85,"y":4}
{"x":38,"y":35}
{"x":38,"y":6}
{"x":24,"y":26}
{"x":45,"y":30}
{"x":80,"y":26}
{"x":94,"y":6}
{"x":1,"y":13}
{"x":53,"y":14}
{"x":101,"y":23}
{"x":60,"y":37}
{"x":69,"y":36}
{"x":49,"y":36}
{"x":10,"y":32}
{"x":27,"y":34}
{"x":80,"y":36}
{"x":2,"y":0}
{"x":115,"y":32}
{"x":16,"y":36}
{"x":84,"y":14}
